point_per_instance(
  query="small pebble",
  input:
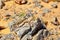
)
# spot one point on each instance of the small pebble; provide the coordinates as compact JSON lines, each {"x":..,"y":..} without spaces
{"x":55,"y":22}
{"x":29,"y":13}
{"x":46,"y":10}
{"x":29,"y":3}
{"x":54,"y":5}
{"x":1,"y":4}
{"x":41,"y":6}
{"x":46,"y":1}
{"x":8,"y":37}
{"x":8,"y":15}
{"x":36,"y":4}
{"x":35,"y":12}
{"x":21,"y":2}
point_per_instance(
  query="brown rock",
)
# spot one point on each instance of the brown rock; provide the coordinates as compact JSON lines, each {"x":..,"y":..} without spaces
{"x":21,"y":1}
{"x":1,"y":4}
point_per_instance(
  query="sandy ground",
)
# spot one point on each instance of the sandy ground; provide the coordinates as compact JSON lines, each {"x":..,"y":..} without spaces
{"x":11,"y":6}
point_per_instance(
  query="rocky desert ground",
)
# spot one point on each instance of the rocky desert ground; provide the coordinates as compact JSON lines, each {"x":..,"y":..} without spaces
{"x":29,"y":19}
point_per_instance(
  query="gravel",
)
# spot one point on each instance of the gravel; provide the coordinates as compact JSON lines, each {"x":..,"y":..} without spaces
{"x":29,"y":13}
{"x":46,"y":10}
{"x":36,"y":4}
{"x":41,"y":6}
{"x":54,"y":5}
{"x":8,"y":37}
{"x":1,"y":4}
{"x":21,"y":2}
{"x":46,"y":1}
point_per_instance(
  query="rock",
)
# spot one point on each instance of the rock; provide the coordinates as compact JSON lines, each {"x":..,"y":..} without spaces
{"x":13,"y":16}
{"x":46,"y":1}
{"x":42,"y":34}
{"x":7,"y":15}
{"x":1,"y":4}
{"x":51,"y":38}
{"x":17,"y":18}
{"x":35,"y":12}
{"x":10,"y":24}
{"x":46,"y":10}
{"x":41,"y":6}
{"x":29,"y":3}
{"x":38,"y":27}
{"x":54,"y":5}
{"x":22,"y":30}
{"x":29,"y":13}
{"x":5,"y":19}
{"x":55,"y":21}
{"x":21,"y":2}
{"x":1,"y":27}
{"x":36,"y":1}
{"x":27,"y":37}
{"x":15,"y":23}
{"x":8,"y":37}
{"x":36,"y":4}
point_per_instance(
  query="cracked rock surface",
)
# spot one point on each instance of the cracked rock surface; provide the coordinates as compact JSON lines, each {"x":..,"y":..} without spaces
{"x":29,"y":20}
